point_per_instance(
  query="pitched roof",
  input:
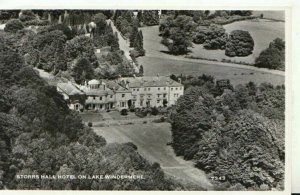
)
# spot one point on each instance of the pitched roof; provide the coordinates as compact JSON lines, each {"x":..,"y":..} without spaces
{"x":69,"y":88}
{"x":154,"y":81}
{"x":115,"y":86}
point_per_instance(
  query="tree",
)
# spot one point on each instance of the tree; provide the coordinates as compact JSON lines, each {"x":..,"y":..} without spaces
{"x":213,"y":37}
{"x":133,"y":33}
{"x":273,"y":57}
{"x":50,"y":50}
{"x":10,"y":63}
{"x":177,"y":33}
{"x":138,"y":44}
{"x":83,"y":71}
{"x":150,"y":17}
{"x":13,"y":26}
{"x":141,"y":70}
{"x":240,"y":43}
{"x":64,"y":28}
{"x":100,"y":20}
{"x":115,"y":42}
{"x":81,"y":47}
{"x":27,"y":15}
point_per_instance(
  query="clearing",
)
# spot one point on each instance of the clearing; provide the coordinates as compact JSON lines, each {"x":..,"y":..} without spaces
{"x":262,"y":31}
{"x":151,"y":140}
{"x":158,"y":61}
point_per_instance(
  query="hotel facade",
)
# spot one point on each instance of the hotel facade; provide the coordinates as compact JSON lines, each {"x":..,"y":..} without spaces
{"x":124,"y":93}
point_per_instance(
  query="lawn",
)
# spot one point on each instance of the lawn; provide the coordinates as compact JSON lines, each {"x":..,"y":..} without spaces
{"x":151,"y":140}
{"x":91,"y":117}
{"x":153,"y":65}
{"x":157,"y":61}
{"x":262,"y":32}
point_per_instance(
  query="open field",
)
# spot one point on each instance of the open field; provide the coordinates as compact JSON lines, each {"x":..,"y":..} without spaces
{"x":276,"y":15}
{"x":151,"y":140}
{"x":157,"y":61}
{"x":153,"y":65}
{"x":262,"y":32}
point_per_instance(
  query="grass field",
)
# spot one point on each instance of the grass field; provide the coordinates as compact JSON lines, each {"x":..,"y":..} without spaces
{"x":262,"y":32}
{"x":157,"y":61}
{"x":277,"y":15}
{"x":151,"y":140}
{"x":153,"y":65}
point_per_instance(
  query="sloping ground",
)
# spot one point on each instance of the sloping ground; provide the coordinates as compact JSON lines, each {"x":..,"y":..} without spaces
{"x":262,"y":31}
{"x":275,"y":15}
{"x":158,"y":61}
{"x":151,"y":140}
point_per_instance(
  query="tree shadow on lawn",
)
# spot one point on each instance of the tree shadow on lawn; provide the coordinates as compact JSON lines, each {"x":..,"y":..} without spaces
{"x":169,"y":53}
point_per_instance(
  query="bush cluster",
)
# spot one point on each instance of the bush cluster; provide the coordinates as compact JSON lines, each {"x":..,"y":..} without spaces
{"x":240,"y":43}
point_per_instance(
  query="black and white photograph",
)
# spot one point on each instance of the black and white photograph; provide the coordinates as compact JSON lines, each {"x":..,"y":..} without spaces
{"x":143,"y":99}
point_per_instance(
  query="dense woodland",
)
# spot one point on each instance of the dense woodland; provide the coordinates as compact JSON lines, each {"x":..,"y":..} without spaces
{"x":236,"y":132}
{"x":40,"y":135}
{"x":56,"y":42}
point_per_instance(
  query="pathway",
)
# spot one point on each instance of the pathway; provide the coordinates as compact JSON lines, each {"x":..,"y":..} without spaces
{"x":123,"y":43}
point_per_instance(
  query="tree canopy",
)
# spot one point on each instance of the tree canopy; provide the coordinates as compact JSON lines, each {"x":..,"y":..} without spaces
{"x":240,"y":43}
{"x":232,"y":131}
{"x":273,"y":57}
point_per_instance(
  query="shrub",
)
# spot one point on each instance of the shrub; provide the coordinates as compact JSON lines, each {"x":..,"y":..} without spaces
{"x":131,"y":145}
{"x":27,"y":15}
{"x":13,"y":26}
{"x":212,"y":37}
{"x":90,"y":124}
{"x":154,"y":111}
{"x":240,"y":43}
{"x":273,"y":57}
{"x":124,"y":112}
{"x":36,"y":23}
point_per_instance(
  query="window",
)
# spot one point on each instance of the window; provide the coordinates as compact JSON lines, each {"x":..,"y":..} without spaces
{"x":171,"y":88}
{"x":94,"y":97}
{"x":137,"y":89}
{"x":133,"y":89}
{"x":175,"y":94}
{"x":100,"y":106}
{"x":158,"y":95}
{"x":122,"y":104}
{"x":148,"y":89}
{"x":176,"y":89}
{"x":141,"y":103}
{"x":158,"y":89}
{"x":100,"y":98}
{"x":165,"y":95}
{"x":158,"y":101}
{"x":133,"y":103}
{"x":123,"y":95}
{"x":111,"y":96}
{"x":165,"y":88}
{"x":145,"y":89}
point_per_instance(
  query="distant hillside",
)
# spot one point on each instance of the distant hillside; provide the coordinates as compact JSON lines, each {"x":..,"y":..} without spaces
{"x":276,"y":15}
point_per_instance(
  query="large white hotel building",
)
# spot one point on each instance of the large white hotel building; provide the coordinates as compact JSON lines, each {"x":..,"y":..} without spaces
{"x":123,"y":93}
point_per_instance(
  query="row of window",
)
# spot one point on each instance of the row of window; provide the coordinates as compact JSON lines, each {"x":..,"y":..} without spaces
{"x":159,"y":88}
{"x":94,"y":97}
{"x":149,"y":96}
{"x":148,"y":103}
